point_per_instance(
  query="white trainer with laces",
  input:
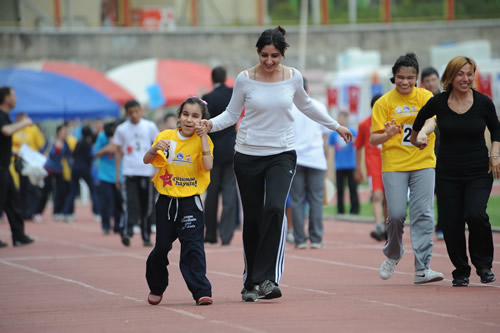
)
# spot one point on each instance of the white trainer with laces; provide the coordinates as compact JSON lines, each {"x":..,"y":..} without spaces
{"x":387,"y":268}
{"x":427,"y":275}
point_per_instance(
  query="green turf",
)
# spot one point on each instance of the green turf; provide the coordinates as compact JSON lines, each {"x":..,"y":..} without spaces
{"x":366,"y":210}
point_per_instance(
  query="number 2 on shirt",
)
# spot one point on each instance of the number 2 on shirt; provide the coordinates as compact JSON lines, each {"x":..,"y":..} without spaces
{"x":406,"y":135}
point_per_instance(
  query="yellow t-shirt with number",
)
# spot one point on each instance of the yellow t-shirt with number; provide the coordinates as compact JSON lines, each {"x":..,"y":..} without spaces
{"x":181,"y":171}
{"x":398,"y":154}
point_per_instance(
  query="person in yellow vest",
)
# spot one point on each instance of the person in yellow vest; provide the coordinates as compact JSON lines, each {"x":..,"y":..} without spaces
{"x":33,"y":138}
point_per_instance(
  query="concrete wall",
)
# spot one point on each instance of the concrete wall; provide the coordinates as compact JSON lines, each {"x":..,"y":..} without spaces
{"x":235,"y":47}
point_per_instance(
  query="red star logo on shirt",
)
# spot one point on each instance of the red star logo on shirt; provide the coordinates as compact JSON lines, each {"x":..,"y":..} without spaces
{"x":167,"y":179}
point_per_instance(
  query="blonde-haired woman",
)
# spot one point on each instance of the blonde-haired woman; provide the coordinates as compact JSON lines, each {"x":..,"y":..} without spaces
{"x":464,"y":169}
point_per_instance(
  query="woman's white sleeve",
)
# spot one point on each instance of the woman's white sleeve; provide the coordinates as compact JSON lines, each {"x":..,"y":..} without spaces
{"x":233,"y":111}
{"x":304,"y":103}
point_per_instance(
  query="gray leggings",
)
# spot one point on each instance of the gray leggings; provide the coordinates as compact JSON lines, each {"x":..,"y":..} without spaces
{"x":421,"y":186}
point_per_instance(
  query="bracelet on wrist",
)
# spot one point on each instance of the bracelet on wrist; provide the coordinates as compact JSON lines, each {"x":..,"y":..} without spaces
{"x":206,"y":153}
{"x":154,"y":154}
{"x":494,"y":156}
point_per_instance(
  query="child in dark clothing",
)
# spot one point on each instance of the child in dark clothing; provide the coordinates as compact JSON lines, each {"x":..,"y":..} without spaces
{"x":82,"y":163}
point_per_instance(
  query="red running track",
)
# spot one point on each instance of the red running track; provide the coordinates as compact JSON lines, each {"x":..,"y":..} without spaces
{"x":75,"y":279}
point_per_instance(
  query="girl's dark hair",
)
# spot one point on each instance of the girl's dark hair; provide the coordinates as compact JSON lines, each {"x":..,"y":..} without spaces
{"x":274,"y":37}
{"x":408,"y":60}
{"x":195,"y":100}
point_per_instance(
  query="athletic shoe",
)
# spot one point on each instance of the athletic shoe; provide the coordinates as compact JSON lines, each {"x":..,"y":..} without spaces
{"x":426,"y":276}
{"x":486,"y":276}
{"x":23,"y":240}
{"x":58,"y":217}
{"x":69,"y":218}
{"x":126,"y":240}
{"x":301,"y":246}
{"x":387,"y":268}
{"x":268,"y":290}
{"x":147,"y":243}
{"x":378,"y":235}
{"x":136,"y":229}
{"x":249,"y":295}
{"x":289,"y":237}
{"x":317,"y":245}
{"x":3,"y":244}
{"x":204,"y":300}
{"x":153,"y":228}
{"x":154,"y":299}
{"x":462,"y":281}
{"x":37,"y":218}
{"x":439,"y":235}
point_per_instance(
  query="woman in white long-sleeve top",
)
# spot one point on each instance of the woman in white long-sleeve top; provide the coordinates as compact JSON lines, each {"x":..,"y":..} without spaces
{"x":265,"y":159}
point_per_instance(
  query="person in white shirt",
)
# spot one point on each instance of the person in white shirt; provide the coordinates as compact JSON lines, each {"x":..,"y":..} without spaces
{"x":265,"y":158}
{"x":133,"y":138}
{"x":309,"y":180}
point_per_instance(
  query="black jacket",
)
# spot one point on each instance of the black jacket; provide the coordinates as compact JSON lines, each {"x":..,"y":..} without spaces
{"x":224,"y":140}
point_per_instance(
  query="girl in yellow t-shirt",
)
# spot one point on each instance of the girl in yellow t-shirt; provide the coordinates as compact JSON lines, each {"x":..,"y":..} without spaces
{"x":184,"y":159}
{"x":406,"y":168}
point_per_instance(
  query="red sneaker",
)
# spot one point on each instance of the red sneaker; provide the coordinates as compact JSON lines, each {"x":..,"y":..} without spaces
{"x":154,"y":299}
{"x":204,"y":300}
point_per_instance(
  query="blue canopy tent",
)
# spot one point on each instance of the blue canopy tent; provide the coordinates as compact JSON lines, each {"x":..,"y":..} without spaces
{"x":44,"y":95}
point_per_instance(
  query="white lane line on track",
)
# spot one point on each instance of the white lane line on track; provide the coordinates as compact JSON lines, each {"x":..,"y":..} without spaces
{"x":111,"y":293}
{"x":432,"y":313}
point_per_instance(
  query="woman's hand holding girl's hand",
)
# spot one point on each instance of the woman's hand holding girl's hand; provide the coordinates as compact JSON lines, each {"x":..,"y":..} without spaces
{"x":207,"y":124}
{"x":422,"y":140}
{"x":345,"y":133}
{"x":201,"y":129}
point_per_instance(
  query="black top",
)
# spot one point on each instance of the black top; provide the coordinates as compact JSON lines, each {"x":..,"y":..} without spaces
{"x":5,"y":141}
{"x":462,"y":152}
{"x":224,"y":140}
{"x":82,"y":155}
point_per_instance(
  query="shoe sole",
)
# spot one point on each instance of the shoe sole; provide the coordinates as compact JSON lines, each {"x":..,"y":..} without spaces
{"x":436,"y":279}
{"x":154,"y":301}
{"x":204,"y":301}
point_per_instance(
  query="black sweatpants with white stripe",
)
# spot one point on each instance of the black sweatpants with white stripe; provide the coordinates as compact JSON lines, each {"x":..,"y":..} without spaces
{"x":264,"y":183}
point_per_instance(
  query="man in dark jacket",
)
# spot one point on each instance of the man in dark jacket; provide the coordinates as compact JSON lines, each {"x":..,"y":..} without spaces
{"x":222,"y":180}
{"x":10,"y":201}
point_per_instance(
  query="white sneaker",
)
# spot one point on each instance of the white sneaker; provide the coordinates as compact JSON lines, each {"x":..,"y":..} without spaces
{"x":427,"y":275}
{"x":37,"y":218}
{"x":387,"y":268}
{"x":153,"y":228}
{"x":301,"y":246}
{"x":289,"y":237}
{"x":317,"y":245}
{"x":136,"y":229}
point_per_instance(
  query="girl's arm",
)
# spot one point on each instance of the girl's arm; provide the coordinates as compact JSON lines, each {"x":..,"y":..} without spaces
{"x":208,"y":160}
